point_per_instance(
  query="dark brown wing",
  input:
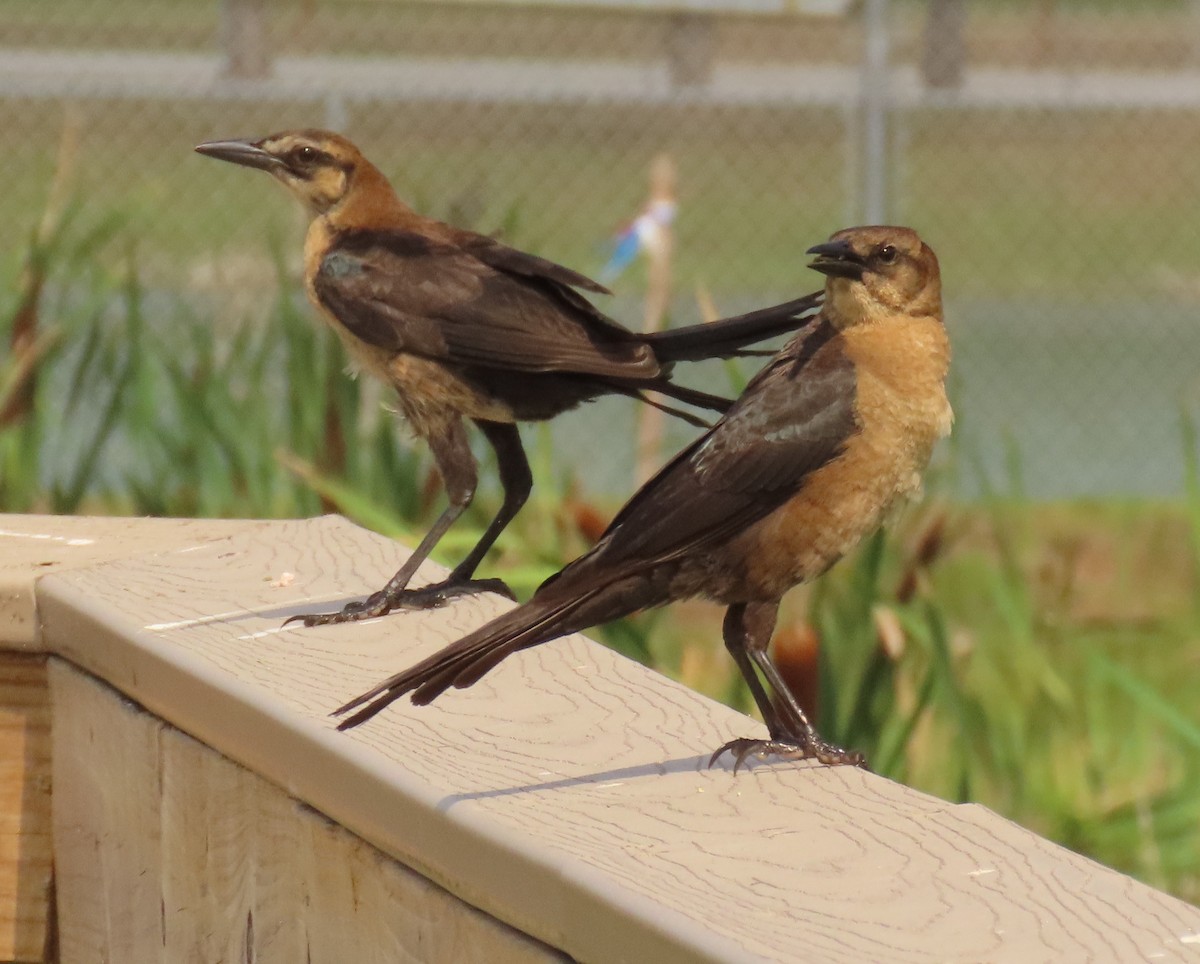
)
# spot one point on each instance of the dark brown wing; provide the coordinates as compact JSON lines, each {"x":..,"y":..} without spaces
{"x":794,"y":417}
{"x":405,"y":292}
{"x":501,"y":256}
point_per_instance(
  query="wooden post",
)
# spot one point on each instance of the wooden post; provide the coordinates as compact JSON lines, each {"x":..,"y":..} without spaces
{"x":650,"y":421}
{"x":26,"y":854}
{"x":943,"y":47}
{"x":690,"y":48}
{"x":244,"y":39}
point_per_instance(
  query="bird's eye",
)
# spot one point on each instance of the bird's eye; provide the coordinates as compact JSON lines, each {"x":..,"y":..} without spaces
{"x":887,"y":254}
{"x":305,"y":155}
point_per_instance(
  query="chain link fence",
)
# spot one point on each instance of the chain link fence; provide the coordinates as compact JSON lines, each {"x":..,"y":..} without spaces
{"x":1047,"y":150}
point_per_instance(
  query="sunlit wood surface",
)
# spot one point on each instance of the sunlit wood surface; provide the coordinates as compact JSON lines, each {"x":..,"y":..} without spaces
{"x":566,"y":795}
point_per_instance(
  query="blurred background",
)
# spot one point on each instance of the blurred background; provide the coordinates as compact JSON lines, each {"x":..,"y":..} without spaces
{"x":1029,"y":636}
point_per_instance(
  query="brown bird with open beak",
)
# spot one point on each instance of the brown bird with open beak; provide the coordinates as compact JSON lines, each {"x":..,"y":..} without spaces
{"x":826,"y":438}
{"x":464,"y":327}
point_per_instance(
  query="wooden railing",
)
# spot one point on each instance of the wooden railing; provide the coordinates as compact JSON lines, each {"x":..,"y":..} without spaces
{"x":204,"y":808}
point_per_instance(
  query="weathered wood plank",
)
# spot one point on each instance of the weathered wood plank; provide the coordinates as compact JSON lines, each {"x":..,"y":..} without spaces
{"x":106,"y":831}
{"x":567,"y":793}
{"x":36,"y":545}
{"x":170,"y":852}
{"x":26,"y":854}
{"x":208,"y":818}
{"x":32,"y":546}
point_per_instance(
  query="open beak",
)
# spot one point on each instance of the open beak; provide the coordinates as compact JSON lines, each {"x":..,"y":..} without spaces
{"x":246,"y":153}
{"x":837,"y":259}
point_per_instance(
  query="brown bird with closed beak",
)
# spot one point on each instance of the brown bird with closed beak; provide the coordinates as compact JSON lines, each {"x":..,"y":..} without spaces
{"x":825,"y":439}
{"x":465,"y":327}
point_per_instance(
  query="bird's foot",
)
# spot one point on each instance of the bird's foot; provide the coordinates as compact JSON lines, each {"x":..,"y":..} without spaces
{"x":807,"y":749}
{"x":425,"y":597}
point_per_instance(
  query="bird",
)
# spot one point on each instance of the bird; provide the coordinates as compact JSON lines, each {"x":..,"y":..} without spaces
{"x":464,"y":327}
{"x":833,"y":431}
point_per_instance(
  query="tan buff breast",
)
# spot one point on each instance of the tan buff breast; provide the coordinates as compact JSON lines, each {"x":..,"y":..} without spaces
{"x":902,"y":411}
{"x":363,"y":357}
{"x":430,"y":394}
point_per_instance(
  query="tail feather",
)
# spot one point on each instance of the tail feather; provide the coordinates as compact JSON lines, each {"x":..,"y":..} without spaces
{"x":727,"y":337}
{"x":691,"y":396}
{"x":478,"y":668}
{"x":578,"y":597}
{"x":465,"y":661}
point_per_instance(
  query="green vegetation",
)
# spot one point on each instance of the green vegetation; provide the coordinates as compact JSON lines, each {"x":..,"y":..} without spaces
{"x":1027,"y":657}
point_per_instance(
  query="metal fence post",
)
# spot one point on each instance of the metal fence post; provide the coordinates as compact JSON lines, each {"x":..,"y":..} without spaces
{"x":875,"y":96}
{"x":243,"y":38}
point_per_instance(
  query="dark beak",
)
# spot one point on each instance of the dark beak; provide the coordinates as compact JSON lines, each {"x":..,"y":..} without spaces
{"x":246,"y":153}
{"x":837,"y":259}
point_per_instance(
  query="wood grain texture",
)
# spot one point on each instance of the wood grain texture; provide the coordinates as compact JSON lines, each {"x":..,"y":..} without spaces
{"x":26,"y":854}
{"x":169,"y":852}
{"x":35,"y":545}
{"x":567,"y":793}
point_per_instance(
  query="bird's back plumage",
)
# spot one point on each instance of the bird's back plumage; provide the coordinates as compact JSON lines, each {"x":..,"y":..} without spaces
{"x":401,"y":291}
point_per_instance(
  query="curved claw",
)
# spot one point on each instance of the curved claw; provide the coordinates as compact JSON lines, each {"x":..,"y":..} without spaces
{"x":381,"y":603}
{"x":825,"y":753}
{"x":739,"y":749}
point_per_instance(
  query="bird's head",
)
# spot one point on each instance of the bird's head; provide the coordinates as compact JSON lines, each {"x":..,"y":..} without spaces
{"x":318,"y":167}
{"x":878,"y":272}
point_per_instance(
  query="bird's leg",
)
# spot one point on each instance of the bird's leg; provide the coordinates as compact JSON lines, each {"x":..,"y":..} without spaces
{"x":748,"y":629}
{"x":517,"y":482}
{"x":456,"y":464}
{"x":809,"y":740}
{"x":735,"y":634}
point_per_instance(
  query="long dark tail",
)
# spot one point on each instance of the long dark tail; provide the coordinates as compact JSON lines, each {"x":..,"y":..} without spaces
{"x":552,"y":612}
{"x":690,"y":396}
{"x":726,"y":338}
{"x":471,"y":656}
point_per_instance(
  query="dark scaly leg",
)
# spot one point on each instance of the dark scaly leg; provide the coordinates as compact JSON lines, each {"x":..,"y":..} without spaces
{"x":452,"y":453}
{"x":748,"y":628}
{"x":517,"y":482}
